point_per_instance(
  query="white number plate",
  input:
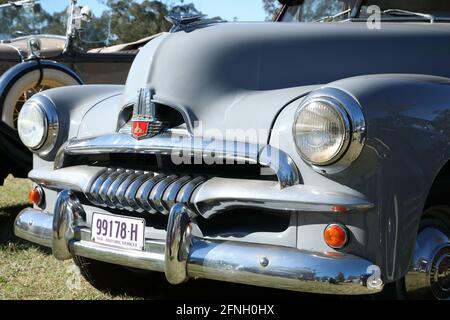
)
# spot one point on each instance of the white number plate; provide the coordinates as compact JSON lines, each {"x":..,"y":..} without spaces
{"x":118,"y":231}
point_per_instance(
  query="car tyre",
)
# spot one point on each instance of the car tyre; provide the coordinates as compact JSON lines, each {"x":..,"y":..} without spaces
{"x":119,"y":280}
{"x":436,"y":217}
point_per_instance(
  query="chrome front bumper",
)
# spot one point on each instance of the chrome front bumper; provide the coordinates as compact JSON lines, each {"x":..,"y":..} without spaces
{"x":182,"y":256}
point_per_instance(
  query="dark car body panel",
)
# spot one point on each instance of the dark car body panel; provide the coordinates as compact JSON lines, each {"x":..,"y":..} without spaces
{"x":93,"y":68}
{"x":407,"y":146}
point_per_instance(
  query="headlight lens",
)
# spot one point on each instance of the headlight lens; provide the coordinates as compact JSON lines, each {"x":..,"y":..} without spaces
{"x":38,"y":125}
{"x":321,"y":131}
{"x":32,"y":125}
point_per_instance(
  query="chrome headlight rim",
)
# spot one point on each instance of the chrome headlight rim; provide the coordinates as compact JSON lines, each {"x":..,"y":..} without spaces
{"x":51,"y":124}
{"x":345,"y":122}
{"x":355,"y":129}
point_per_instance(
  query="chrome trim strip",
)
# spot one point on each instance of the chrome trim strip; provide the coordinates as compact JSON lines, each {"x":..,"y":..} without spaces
{"x":282,"y":165}
{"x":219,"y":195}
{"x":176,"y":142}
{"x":165,"y":144}
{"x":78,"y":178}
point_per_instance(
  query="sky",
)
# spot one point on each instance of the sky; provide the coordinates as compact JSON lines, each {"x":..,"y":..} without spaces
{"x":243,"y":10}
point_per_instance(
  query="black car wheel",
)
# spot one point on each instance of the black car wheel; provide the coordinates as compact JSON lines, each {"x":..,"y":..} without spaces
{"x":118,"y":280}
{"x":429,"y":275}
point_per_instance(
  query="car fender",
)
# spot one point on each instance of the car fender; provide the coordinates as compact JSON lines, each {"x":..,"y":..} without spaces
{"x":406,"y":145}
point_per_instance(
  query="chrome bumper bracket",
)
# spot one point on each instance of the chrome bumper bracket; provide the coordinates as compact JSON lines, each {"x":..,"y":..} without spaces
{"x":178,"y":244}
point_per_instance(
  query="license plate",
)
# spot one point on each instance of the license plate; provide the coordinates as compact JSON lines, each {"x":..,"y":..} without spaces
{"x":118,"y":231}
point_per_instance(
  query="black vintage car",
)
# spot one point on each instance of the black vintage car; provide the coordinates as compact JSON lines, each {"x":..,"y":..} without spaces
{"x":34,"y":63}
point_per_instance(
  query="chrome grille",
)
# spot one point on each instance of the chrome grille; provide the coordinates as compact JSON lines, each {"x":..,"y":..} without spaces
{"x":141,"y":191}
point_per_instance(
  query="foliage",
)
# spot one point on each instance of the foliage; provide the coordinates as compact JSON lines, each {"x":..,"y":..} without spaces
{"x":271,"y":7}
{"x":17,"y":21}
{"x":123,"y":21}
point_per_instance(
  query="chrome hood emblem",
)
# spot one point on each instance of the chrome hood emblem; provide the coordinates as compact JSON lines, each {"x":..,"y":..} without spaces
{"x":190,"y":22}
{"x":144,"y":122}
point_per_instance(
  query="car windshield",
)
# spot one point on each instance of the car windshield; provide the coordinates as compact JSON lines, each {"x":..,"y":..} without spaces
{"x":49,"y":17}
{"x":23,"y":18}
{"x":344,"y":10}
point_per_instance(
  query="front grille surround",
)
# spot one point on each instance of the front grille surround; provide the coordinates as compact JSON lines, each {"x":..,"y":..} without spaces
{"x":141,"y":191}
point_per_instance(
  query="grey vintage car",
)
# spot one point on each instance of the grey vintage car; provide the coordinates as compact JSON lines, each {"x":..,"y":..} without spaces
{"x":310,"y":155}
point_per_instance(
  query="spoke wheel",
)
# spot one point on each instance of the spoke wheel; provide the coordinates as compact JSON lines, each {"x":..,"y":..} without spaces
{"x":28,"y":93}
{"x":25,"y":86}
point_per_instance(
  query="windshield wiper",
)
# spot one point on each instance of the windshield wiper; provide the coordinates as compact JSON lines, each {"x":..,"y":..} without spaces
{"x":399,"y":12}
{"x":332,"y":18}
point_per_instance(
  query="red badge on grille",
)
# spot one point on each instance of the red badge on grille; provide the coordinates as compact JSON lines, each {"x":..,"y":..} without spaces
{"x":145,"y":123}
{"x":139,"y":129}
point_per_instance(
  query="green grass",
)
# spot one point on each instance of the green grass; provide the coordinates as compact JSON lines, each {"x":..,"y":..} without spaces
{"x":14,"y":193}
{"x":28,"y":271}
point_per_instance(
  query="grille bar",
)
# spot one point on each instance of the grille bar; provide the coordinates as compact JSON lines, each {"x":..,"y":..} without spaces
{"x":141,"y":191}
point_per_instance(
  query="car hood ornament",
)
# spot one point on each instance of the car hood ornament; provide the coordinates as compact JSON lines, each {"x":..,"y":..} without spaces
{"x":190,"y":22}
{"x":144,"y":122}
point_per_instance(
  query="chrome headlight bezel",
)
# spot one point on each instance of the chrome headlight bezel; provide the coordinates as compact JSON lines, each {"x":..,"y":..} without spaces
{"x":51,"y":124}
{"x":353,"y":121}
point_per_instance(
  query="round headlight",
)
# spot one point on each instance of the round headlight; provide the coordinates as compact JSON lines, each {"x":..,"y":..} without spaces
{"x":321,"y":131}
{"x":329,"y":130}
{"x":32,"y":125}
{"x":38,"y":124}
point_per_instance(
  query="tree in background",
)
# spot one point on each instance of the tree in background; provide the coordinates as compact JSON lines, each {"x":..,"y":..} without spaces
{"x":22,"y":20}
{"x":123,"y":20}
{"x":272,"y":8}
{"x":340,"y":277}
{"x":131,"y":20}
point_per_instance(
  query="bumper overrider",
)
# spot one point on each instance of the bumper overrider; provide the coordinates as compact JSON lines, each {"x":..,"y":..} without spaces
{"x":184,"y":255}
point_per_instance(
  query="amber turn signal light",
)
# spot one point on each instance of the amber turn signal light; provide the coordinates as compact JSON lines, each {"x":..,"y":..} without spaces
{"x":335,"y":236}
{"x":36,"y":196}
